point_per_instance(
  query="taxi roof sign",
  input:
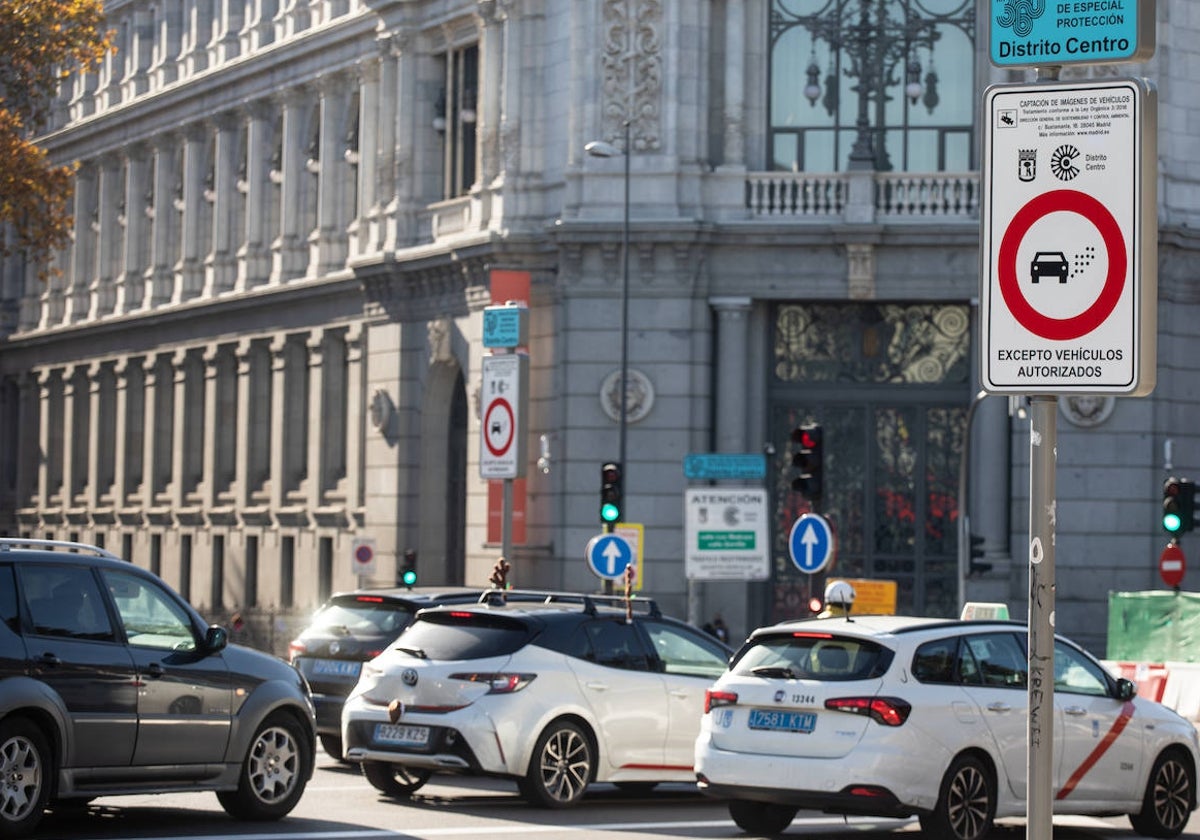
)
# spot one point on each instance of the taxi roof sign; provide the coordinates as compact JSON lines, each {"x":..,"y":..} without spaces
{"x":984,"y":611}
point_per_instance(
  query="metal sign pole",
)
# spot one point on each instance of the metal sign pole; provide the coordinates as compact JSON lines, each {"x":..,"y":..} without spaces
{"x":506,"y":526}
{"x":1043,"y":458}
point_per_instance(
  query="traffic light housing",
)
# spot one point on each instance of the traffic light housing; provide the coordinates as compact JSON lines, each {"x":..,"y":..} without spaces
{"x":408,"y":569}
{"x":808,"y":460}
{"x":1179,"y":505}
{"x":611,"y":492}
{"x":976,"y":567}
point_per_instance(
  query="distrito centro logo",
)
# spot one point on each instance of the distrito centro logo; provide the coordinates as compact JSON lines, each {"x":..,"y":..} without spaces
{"x":1019,"y":15}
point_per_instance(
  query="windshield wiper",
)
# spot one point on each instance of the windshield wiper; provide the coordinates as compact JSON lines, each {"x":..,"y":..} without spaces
{"x":417,"y":652}
{"x":775,"y":671}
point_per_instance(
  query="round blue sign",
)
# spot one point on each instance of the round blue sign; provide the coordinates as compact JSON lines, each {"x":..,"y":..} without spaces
{"x":811,"y":543}
{"x":608,"y":556}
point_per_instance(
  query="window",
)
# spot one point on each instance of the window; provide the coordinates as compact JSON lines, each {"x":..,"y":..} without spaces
{"x":999,"y":658}
{"x":151,"y":617}
{"x":813,"y":656}
{"x":934,"y":662}
{"x":455,"y":119}
{"x":611,"y":642}
{"x":1076,"y":674}
{"x":858,"y":85}
{"x":65,"y":601}
{"x":681,"y":652}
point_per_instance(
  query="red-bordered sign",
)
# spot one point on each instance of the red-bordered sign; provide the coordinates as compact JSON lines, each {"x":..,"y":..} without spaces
{"x":1171,"y":565}
{"x":1065,"y":201}
{"x":503,"y":427}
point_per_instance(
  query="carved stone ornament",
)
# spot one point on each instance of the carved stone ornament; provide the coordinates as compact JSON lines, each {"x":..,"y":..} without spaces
{"x":381,"y":409}
{"x":639,"y":396}
{"x":1087,"y":411}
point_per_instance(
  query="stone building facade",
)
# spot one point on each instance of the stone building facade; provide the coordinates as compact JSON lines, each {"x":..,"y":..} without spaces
{"x":262,"y":351}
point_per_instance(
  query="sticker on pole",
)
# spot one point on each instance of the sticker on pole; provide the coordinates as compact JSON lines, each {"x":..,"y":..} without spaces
{"x":1069,"y":274}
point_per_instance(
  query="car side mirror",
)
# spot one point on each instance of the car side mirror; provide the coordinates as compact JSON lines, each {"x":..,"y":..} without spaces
{"x":1126,"y":689}
{"x":215,"y":639}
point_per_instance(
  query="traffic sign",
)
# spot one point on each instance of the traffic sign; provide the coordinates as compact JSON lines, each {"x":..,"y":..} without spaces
{"x":1059,"y":32}
{"x":608,"y":555}
{"x":726,"y":534}
{"x":363,"y":554}
{"x":1069,"y":231}
{"x":724,"y":465}
{"x":1171,"y":565}
{"x":505,"y":326}
{"x":502,"y":432}
{"x":810,"y":543}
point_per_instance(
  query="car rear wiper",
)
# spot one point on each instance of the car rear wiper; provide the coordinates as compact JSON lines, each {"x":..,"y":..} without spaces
{"x":417,"y":652}
{"x":775,"y":671}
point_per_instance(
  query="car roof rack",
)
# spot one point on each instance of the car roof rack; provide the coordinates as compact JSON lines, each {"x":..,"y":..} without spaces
{"x":589,"y":603}
{"x":9,"y":543}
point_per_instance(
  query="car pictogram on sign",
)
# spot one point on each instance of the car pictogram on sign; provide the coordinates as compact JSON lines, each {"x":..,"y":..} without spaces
{"x":1049,"y":264}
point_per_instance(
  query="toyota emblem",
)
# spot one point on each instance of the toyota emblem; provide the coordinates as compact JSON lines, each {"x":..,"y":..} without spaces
{"x":409,"y":676}
{"x":779,"y":696}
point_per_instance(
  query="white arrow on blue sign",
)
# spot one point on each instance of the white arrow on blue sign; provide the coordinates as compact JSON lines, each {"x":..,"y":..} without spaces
{"x":811,"y":543}
{"x":608,"y":555}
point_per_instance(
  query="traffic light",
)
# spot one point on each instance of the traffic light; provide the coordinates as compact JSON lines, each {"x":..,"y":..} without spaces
{"x":610,"y":493}
{"x":1179,"y":505}
{"x":976,"y":567}
{"x":408,"y":571}
{"x":808,"y":460}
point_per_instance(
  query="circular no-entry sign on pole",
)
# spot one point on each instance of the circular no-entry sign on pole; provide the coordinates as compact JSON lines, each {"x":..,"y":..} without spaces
{"x":1171,"y":565}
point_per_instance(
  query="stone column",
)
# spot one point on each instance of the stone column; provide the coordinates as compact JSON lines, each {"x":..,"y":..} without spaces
{"x":328,"y":241}
{"x":317,"y":418}
{"x":97,"y":448}
{"x":168,"y":41}
{"x":160,"y":275}
{"x":735,"y":82}
{"x":279,"y":413}
{"x":288,"y":251}
{"x":491,"y":84}
{"x":28,"y":433}
{"x":141,"y":51}
{"x":129,"y":284}
{"x":254,"y":256}
{"x":48,"y":380}
{"x":356,"y":400}
{"x":212,"y":424}
{"x":220,"y":268}
{"x":383,"y":208}
{"x":190,"y":267}
{"x":109,"y":194}
{"x":258,"y":28}
{"x":152,"y":433}
{"x":732,"y":395}
{"x":362,"y":230}
{"x":82,"y":253}
{"x":224,"y":46}
{"x":244,"y":355}
{"x":72,"y":469}
{"x":121,"y":478}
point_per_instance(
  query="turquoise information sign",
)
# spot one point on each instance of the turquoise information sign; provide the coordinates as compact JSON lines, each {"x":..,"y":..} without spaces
{"x":1043,"y":33}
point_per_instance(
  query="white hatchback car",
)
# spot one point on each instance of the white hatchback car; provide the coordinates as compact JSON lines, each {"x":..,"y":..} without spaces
{"x":899,"y":716}
{"x":552,"y":690}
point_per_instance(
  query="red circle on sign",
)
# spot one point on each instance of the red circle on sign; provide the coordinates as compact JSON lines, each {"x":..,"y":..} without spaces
{"x":1171,"y":565}
{"x":1062,"y":329}
{"x":502,"y":404}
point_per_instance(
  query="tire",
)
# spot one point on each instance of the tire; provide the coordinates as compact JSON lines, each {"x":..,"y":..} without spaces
{"x":26,"y":771}
{"x":1170,"y":791}
{"x":274,"y":772}
{"x":395,"y":780}
{"x":966,"y":805}
{"x":332,"y":744}
{"x":562,"y":765}
{"x":761,"y":817}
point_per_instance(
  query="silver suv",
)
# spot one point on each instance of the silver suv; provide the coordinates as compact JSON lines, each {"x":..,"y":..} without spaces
{"x":110,"y":683}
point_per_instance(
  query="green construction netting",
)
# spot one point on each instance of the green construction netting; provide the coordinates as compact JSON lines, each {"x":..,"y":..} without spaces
{"x":1156,"y":626}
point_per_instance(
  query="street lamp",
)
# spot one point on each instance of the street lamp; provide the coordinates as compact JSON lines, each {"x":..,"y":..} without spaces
{"x":602,"y":149}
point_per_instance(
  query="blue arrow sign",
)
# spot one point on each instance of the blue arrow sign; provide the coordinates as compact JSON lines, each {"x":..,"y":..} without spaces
{"x":608,"y":555}
{"x":811,"y":543}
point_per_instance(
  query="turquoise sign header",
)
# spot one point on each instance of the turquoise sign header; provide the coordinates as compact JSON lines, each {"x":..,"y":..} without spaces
{"x":1045,"y":33}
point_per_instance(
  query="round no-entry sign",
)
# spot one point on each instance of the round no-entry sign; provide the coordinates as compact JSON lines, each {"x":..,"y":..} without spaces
{"x":1171,"y":565}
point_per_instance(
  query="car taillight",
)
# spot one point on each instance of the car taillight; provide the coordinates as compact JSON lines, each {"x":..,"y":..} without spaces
{"x":498,"y":683}
{"x":717,"y":699}
{"x":888,"y":711}
{"x":296,"y":649}
{"x":368,"y":599}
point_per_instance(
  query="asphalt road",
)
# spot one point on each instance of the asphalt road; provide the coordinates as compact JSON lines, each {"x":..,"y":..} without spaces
{"x":340,"y":805}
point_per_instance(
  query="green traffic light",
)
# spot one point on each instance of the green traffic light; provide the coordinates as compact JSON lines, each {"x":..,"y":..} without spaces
{"x":409,"y":577}
{"x":610,"y":512}
{"x":1172,"y":522}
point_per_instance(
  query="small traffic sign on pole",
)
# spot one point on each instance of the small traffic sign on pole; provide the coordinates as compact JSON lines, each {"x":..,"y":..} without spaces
{"x":608,"y":555}
{"x":1171,"y":564}
{"x":811,"y":543}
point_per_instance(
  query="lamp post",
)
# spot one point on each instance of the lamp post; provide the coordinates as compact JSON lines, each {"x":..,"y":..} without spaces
{"x":602,"y":149}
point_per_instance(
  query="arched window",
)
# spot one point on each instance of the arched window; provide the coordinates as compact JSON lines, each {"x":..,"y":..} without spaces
{"x":872,"y":84}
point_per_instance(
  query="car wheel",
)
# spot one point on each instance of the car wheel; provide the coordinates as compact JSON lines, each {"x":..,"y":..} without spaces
{"x":761,"y":817}
{"x":1168,"y":800}
{"x":274,"y":772}
{"x":560,"y":768}
{"x":26,"y":768}
{"x":966,"y":804}
{"x":394,"y":779}
{"x":332,"y":744}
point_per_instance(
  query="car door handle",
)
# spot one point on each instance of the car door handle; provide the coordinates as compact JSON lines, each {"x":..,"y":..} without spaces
{"x":1075,"y":710}
{"x":999,"y":707}
{"x":51,"y":659}
{"x":597,"y":686}
{"x":155,"y":670}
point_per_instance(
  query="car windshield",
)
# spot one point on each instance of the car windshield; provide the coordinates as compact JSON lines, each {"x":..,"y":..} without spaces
{"x":462,"y":635}
{"x":816,"y":656}
{"x":353,"y":616}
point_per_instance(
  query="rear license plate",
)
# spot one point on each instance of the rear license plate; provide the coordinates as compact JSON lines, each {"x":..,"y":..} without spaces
{"x":335,"y":668}
{"x":783,"y":721}
{"x":400,"y":735}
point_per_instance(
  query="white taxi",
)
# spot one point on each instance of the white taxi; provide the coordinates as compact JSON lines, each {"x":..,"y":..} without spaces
{"x":899,"y":716}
